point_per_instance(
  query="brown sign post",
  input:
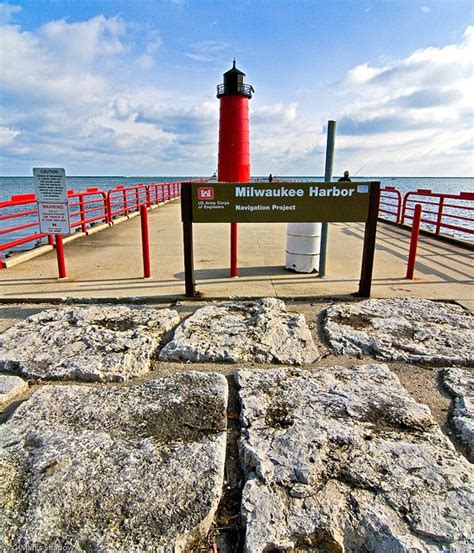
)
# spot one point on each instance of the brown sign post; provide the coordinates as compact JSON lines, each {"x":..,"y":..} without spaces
{"x":281,"y":202}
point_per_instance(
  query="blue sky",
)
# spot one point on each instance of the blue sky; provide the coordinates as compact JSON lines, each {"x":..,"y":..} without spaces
{"x":128,"y":87}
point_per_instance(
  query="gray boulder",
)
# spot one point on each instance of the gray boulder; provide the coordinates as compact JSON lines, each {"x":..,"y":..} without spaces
{"x":255,"y":332}
{"x":10,"y":388}
{"x":403,"y":329}
{"x":96,"y":343}
{"x":460,"y":384}
{"x":343,"y":459}
{"x":114,"y":469}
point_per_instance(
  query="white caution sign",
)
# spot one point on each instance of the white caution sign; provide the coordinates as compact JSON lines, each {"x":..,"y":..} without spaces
{"x":50,"y":184}
{"x":52,"y":198}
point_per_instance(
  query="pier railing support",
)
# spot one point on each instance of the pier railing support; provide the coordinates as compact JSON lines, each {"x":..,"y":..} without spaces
{"x":145,"y":241}
{"x":60,"y":256}
{"x":415,"y":233}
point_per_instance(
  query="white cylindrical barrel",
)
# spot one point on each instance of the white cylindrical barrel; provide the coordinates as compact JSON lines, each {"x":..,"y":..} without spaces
{"x":303,"y":242}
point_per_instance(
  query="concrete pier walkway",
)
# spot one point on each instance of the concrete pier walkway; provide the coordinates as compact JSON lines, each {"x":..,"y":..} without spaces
{"x":109,"y":265}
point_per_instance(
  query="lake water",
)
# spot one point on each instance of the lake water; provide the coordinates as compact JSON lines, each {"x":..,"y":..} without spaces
{"x":10,"y":186}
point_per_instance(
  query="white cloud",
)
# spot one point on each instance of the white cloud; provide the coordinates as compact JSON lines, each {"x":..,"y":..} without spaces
{"x":7,"y":11}
{"x":416,"y":104}
{"x":123,"y":109}
{"x":407,"y":116}
{"x":68,"y":98}
{"x":207,"y":50}
{"x":145,"y":62}
{"x":7,"y":136}
{"x":147,"y":59}
{"x":199,"y":57}
{"x":361,"y":74}
{"x":278,"y":112}
{"x":39,"y":69}
{"x":85,"y":41}
{"x":425,"y":9}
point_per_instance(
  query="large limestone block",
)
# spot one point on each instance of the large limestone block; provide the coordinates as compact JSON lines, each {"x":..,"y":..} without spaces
{"x":114,"y":469}
{"x":343,"y":459}
{"x":403,"y":329}
{"x":255,"y":332}
{"x":460,"y":383}
{"x":10,"y":388}
{"x":96,"y":343}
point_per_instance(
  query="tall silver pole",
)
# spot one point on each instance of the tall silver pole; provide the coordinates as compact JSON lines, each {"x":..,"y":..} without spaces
{"x":327,"y":178}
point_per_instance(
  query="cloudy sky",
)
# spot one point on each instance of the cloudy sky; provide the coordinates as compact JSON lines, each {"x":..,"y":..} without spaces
{"x":127,"y":87}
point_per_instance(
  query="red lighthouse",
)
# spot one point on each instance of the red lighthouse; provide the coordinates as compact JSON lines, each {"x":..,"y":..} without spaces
{"x":234,"y":140}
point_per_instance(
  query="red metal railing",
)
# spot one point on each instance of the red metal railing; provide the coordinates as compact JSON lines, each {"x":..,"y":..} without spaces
{"x":19,"y":223}
{"x":163,"y":191}
{"x":390,"y":204}
{"x":87,"y":207}
{"x":21,"y":213}
{"x":123,"y":200}
{"x":442,"y":213}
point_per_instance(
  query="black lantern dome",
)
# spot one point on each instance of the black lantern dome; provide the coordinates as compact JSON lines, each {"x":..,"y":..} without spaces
{"x":234,"y":85}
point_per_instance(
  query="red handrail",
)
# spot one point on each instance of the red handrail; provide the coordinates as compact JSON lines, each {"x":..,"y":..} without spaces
{"x":24,"y":208}
{"x":123,"y":200}
{"x":85,"y":208}
{"x":90,"y":207}
{"x":443,"y":211}
{"x":390,"y":203}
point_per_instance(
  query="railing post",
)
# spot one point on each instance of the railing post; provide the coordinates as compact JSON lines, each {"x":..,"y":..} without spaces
{"x":125,"y":204}
{"x":108,"y":208}
{"x":145,"y":241}
{"x":399,"y":206}
{"x":51,"y":240}
{"x":415,"y":232}
{"x":440,"y":215}
{"x":82,"y":213}
{"x":148,"y":196}
{"x":60,"y":256}
{"x":404,"y":207}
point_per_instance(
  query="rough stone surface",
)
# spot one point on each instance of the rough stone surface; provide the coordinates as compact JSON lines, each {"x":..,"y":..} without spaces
{"x":113,"y":469}
{"x":460,"y":384}
{"x":10,"y":388}
{"x":403,"y":329}
{"x":343,"y":459}
{"x":259,"y":332}
{"x":96,"y":343}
